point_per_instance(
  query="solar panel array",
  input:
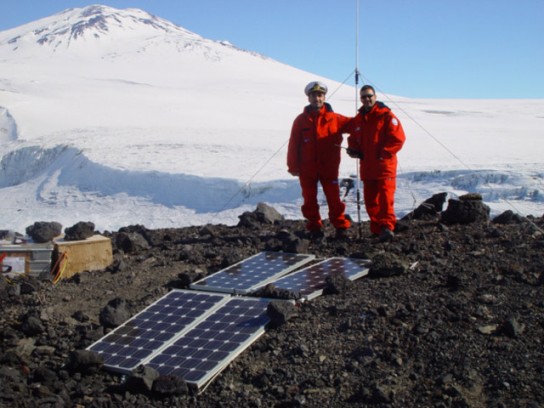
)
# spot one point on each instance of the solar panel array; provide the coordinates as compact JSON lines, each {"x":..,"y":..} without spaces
{"x":126,"y":347}
{"x":252,"y":272}
{"x":194,"y":334}
{"x":214,"y":342}
{"x":309,"y":282}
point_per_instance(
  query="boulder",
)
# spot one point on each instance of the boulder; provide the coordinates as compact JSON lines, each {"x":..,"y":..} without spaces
{"x":466,"y":210}
{"x":78,"y":232}
{"x":42,"y":231}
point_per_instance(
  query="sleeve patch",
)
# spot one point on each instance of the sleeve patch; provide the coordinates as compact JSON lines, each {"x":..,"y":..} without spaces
{"x":395,"y":122}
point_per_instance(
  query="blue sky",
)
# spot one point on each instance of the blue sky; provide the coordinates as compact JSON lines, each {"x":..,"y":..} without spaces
{"x":417,"y":48}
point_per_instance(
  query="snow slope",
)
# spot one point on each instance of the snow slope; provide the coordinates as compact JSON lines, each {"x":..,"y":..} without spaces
{"x":119,"y":117}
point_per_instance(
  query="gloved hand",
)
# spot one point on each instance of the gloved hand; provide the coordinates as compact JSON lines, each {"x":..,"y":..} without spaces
{"x":354,"y":154}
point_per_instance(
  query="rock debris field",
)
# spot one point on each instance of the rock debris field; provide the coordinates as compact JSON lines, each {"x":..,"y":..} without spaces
{"x":451,"y":314}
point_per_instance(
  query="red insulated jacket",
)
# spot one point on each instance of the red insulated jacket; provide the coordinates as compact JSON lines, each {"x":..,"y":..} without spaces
{"x":378,"y":135}
{"x":314,"y":145}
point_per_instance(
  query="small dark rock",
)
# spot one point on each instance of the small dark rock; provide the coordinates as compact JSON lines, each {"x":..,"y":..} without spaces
{"x":293,"y":244}
{"x":131,"y":242}
{"x":80,"y":231}
{"x":271,"y":291}
{"x":429,"y":208}
{"x":166,"y":385}
{"x":454,"y":282}
{"x":511,"y":327}
{"x":118,"y":265}
{"x":44,"y":376}
{"x":337,"y":283}
{"x":28,"y":287}
{"x":80,"y":316}
{"x":184,"y":280}
{"x":267,"y":214}
{"x":85,"y":361}
{"x":508,"y":217}
{"x":141,"y":380}
{"x":280,"y":312}
{"x":471,"y":197}
{"x":115,"y":313}
{"x":32,"y":326}
{"x":263,"y":214}
{"x":387,"y":264}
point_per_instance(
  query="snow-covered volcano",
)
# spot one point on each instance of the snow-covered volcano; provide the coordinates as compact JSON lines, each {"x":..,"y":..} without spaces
{"x":119,"y":117}
{"x":101,"y":66}
{"x":94,"y":26}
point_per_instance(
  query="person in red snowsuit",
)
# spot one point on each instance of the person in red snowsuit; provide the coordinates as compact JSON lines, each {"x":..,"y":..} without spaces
{"x":376,"y":136}
{"x":313,"y":156}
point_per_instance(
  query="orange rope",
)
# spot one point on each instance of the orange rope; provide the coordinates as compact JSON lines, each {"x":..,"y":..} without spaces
{"x":60,"y":267}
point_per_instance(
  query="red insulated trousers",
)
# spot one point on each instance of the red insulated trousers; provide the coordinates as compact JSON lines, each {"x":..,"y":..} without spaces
{"x":379,"y":198}
{"x":310,"y":208}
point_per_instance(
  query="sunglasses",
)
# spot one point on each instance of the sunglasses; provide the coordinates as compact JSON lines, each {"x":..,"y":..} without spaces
{"x":367,"y":96}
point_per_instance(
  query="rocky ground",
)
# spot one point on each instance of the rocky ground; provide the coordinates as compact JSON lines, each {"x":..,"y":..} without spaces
{"x":450,"y":315}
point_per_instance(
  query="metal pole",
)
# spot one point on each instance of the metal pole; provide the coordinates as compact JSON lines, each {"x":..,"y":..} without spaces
{"x":356,"y":111}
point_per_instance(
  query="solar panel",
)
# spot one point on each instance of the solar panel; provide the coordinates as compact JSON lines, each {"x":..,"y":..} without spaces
{"x":194,"y":335}
{"x":309,"y":282}
{"x":126,"y":347}
{"x":252,"y":272}
{"x":202,"y":352}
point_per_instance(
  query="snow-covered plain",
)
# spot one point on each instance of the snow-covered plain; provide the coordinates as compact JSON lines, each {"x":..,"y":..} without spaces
{"x":119,"y":118}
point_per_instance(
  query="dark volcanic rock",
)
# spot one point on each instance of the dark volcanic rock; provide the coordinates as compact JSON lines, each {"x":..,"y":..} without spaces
{"x":85,"y":361}
{"x":292,"y":243}
{"x":166,"y":385}
{"x":449,"y":316}
{"x":280,"y":312}
{"x":32,"y":325}
{"x":141,"y":380}
{"x":508,"y":217}
{"x":42,"y":231}
{"x":468,"y":209}
{"x":271,"y":291}
{"x":115,"y":313}
{"x":387,"y":264}
{"x":80,"y":231}
{"x":131,"y":242}
{"x":336,"y":284}
{"x":429,"y":208}
{"x":264,"y":214}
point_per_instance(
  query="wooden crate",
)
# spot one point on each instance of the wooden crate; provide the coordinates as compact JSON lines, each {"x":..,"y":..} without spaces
{"x":91,"y":254}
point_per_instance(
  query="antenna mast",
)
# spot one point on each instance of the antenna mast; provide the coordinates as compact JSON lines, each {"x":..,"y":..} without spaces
{"x":358,"y":181}
{"x":356,"y":56}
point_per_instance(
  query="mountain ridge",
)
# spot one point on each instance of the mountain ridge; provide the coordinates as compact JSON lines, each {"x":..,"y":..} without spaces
{"x":109,"y":29}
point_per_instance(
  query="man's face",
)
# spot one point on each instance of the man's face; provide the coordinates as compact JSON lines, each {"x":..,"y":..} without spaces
{"x":368,"y":98}
{"x":316,"y":99}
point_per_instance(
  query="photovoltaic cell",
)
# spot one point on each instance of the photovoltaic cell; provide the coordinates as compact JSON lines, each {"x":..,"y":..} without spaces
{"x":195,"y":335}
{"x":253,"y":272}
{"x":126,"y":347}
{"x":309,"y":282}
{"x":203,"y":351}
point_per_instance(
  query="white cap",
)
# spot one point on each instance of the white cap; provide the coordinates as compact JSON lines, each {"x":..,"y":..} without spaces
{"x":315,"y":86}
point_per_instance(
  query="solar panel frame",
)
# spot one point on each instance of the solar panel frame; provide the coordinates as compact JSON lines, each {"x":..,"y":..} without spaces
{"x":244,"y":276}
{"x":141,"y":336}
{"x":213,"y":343}
{"x":310,"y":281}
